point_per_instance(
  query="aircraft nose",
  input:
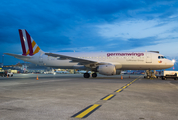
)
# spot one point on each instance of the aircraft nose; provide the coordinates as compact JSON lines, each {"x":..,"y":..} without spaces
{"x":171,"y":63}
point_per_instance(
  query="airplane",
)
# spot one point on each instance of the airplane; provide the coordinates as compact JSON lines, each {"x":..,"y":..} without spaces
{"x":105,"y":63}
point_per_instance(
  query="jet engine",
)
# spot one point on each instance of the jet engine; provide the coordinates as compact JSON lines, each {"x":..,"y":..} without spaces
{"x":107,"y":69}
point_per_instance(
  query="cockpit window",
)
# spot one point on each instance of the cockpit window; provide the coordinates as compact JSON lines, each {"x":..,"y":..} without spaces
{"x":161,"y":57}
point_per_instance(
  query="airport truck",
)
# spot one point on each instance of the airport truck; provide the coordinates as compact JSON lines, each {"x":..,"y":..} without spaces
{"x":169,"y":74}
{"x":4,"y":74}
{"x":10,"y":74}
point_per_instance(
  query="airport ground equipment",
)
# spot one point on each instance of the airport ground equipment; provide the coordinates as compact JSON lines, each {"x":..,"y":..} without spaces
{"x":169,"y":74}
{"x":3,"y":74}
{"x":10,"y":74}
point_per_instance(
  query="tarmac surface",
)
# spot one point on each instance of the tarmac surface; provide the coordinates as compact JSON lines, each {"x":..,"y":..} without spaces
{"x":72,"y":97}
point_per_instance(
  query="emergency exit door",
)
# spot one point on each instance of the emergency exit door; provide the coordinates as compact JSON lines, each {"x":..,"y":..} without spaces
{"x":148,"y":58}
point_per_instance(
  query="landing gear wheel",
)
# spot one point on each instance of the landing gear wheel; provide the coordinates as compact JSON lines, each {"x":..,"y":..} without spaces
{"x":94,"y":75}
{"x":86,"y":75}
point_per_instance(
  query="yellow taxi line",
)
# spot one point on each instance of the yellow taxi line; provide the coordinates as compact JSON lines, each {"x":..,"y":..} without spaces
{"x":108,"y":97}
{"x":87,"y":111}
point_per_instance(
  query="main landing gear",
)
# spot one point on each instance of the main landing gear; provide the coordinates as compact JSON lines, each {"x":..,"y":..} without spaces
{"x":87,"y":75}
{"x":94,"y":75}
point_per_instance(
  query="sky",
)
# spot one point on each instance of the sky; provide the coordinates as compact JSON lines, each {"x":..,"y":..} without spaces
{"x":90,"y":26}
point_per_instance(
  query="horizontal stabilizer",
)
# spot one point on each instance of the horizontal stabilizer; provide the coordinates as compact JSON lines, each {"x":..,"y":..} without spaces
{"x":18,"y":56}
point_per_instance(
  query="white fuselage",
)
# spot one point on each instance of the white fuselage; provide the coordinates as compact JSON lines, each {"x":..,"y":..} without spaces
{"x":121,"y":60}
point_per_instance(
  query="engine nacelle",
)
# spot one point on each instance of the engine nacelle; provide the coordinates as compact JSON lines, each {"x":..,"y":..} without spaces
{"x":107,"y":69}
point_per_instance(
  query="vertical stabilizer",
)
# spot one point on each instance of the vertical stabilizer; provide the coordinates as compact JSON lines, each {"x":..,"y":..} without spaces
{"x":29,"y":46}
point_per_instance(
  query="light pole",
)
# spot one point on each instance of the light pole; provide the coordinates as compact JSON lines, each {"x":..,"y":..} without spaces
{"x":2,"y":60}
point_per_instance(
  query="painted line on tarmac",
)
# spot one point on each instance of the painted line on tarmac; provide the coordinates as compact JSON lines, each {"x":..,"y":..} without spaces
{"x":119,"y":90}
{"x":108,"y":97}
{"x":87,"y":111}
{"x":90,"y":109}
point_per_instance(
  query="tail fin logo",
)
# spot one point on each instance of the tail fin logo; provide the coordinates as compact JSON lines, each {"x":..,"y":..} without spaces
{"x":29,"y":46}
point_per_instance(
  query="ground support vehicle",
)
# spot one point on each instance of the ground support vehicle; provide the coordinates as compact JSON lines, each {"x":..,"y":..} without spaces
{"x":3,"y":74}
{"x":169,"y":74}
{"x":10,"y":74}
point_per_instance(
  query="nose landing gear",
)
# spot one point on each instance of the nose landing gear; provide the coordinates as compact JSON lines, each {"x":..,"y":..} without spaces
{"x":150,"y":74}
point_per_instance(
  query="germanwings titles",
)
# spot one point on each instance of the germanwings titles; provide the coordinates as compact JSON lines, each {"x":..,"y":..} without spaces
{"x":105,"y":63}
{"x":125,"y":54}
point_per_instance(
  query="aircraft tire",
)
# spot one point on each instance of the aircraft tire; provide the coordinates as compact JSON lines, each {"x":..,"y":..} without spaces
{"x":86,"y":75}
{"x":94,"y":75}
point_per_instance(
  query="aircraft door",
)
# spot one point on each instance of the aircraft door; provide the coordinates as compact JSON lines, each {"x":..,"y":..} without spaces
{"x":148,"y":58}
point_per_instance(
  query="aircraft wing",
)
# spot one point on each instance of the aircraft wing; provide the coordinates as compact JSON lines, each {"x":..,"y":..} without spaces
{"x":74,"y":59}
{"x":18,"y":56}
